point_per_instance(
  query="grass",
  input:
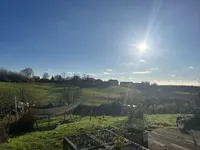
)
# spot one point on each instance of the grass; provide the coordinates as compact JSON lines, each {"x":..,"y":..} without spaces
{"x":112,"y":91}
{"x":52,"y":140}
{"x":97,"y":96}
{"x":44,"y":93}
{"x":162,"y":120}
{"x":40,"y":92}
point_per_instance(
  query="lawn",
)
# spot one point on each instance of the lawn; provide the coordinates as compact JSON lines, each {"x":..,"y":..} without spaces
{"x":162,"y":120}
{"x":52,"y":140}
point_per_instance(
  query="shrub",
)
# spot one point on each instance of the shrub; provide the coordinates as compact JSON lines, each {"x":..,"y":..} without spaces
{"x":24,"y":124}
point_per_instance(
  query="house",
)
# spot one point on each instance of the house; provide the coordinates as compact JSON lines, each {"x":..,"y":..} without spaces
{"x":113,"y":82}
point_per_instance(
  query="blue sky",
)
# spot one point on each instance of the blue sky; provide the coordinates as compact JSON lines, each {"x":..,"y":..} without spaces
{"x":97,"y":38}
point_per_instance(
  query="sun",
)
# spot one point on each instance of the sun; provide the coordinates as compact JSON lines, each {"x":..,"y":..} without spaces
{"x":143,"y":46}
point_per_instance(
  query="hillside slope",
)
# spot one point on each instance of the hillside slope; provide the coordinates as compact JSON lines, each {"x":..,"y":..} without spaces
{"x":47,"y":93}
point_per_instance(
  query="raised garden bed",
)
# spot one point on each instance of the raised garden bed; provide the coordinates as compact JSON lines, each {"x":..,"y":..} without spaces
{"x":80,"y":142}
{"x":99,"y":139}
{"x":132,"y":134}
{"x":106,"y":136}
{"x":130,"y":146}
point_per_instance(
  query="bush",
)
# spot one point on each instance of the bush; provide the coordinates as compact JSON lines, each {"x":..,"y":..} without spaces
{"x":24,"y":124}
{"x":113,"y":109}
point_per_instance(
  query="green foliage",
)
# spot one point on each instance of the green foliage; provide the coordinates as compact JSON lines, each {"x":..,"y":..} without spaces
{"x":118,"y":142}
{"x":6,"y":103}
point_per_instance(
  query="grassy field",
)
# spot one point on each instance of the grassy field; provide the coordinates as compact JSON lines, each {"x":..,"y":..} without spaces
{"x":52,"y":140}
{"x":100,"y":96}
{"x":46,"y":93}
{"x":40,"y":92}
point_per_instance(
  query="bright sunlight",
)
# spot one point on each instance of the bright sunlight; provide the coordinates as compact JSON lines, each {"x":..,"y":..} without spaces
{"x":141,"y":47}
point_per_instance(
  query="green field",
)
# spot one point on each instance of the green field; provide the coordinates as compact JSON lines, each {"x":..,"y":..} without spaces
{"x":44,"y":93}
{"x":48,"y":93}
{"x":52,"y":140}
{"x":99,"y":96}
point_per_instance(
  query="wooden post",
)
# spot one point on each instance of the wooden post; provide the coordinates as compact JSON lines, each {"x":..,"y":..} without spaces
{"x":16,"y":109}
{"x":48,"y":119}
{"x":72,"y":97}
{"x":69,"y":96}
{"x":16,"y":115}
{"x":3,"y":134}
{"x":64,"y":115}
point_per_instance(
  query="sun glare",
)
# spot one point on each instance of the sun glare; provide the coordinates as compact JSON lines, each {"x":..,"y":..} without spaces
{"x":142,"y":46}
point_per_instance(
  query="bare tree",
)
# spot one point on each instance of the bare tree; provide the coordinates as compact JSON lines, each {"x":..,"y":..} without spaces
{"x":45,"y":76}
{"x":28,"y":72}
{"x":63,"y":75}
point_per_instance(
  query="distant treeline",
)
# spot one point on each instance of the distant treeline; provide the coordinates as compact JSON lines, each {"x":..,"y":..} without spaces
{"x":27,"y":75}
{"x":9,"y":76}
{"x":166,"y":88}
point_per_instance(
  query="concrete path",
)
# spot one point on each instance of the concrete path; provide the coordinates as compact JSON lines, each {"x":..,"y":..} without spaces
{"x":172,"y":139}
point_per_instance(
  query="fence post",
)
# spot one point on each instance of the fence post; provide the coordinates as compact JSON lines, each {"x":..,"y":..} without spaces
{"x":16,"y":108}
{"x":48,"y":119}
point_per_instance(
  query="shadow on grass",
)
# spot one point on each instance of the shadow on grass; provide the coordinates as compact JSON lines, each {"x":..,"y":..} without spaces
{"x":48,"y":128}
{"x":52,"y":127}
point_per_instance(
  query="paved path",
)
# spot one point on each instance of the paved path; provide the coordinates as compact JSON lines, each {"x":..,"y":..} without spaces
{"x":172,"y":139}
{"x":56,"y":110}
